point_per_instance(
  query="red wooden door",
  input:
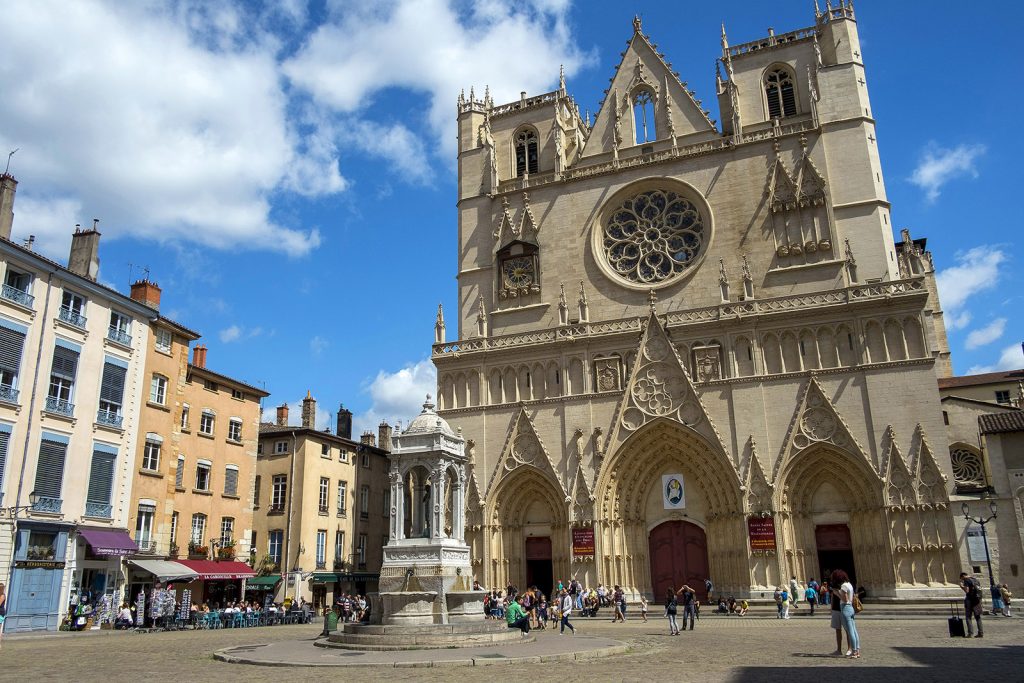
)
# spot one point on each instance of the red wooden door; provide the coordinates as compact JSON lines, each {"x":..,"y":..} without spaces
{"x":538,"y":548}
{"x":833,"y":537}
{"x":679,"y":555}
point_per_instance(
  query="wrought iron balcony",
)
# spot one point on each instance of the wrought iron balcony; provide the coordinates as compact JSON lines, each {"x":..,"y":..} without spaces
{"x":70,"y":317}
{"x":16,"y":295}
{"x":109,"y":418}
{"x":119,"y":336}
{"x":321,"y":565}
{"x":59,"y":406}
{"x":8,"y":394}
{"x":146,"y":544}
{"x":104,"y":510}
{"x":45,"y":504}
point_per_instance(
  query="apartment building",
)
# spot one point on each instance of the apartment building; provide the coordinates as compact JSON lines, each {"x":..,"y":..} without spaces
{"x":322,"y":506}
{"x":72,"y":381}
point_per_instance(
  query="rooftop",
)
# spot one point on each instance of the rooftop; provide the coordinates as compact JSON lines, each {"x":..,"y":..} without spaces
{"x":998,"y":423}
{"x":271,"y":429}
{"x":980,"y":380}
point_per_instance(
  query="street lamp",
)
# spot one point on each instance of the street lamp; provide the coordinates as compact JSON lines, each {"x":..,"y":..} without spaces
{"x":12,"y":512}
{"x":966,"y":508}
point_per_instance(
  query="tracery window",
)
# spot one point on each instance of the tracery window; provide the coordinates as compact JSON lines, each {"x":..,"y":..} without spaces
{"x":644,"y":129}
{"x":653,"y":237}
{"x":780,"y":92}
{"x":968,"y":471}
{"x":526,"y":152}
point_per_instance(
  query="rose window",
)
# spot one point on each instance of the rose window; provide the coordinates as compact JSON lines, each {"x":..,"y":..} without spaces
{"x":654,"y":237}
{"x":967,"y":468}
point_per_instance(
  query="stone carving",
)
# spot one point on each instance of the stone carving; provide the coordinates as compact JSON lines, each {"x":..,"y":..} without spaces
{"x":707,"y":361}
{"x":608,"y":372}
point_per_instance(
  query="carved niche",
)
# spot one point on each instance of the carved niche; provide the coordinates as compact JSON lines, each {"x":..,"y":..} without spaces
{"x":707,"y":363}
{"x":608,"y":373}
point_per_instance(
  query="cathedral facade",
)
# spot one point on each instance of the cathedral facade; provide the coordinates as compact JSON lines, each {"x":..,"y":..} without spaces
{"x":690,"y":350}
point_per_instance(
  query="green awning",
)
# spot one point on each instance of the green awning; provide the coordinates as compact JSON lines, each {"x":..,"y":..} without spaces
{"x":324,"y":578}
{"x":269,"y":581}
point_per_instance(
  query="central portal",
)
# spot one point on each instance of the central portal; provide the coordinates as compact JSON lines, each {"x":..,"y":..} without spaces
{"x":539,"y":571}
{"x":679,"y":555}
{"x":835,"y":550}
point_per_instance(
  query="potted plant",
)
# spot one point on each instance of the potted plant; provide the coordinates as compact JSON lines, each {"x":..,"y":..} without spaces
{"x":172,"y":551}
{"x":226,"y":551}
{"x":197,"y":552}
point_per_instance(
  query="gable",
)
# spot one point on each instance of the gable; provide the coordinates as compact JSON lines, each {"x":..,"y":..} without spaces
{"x":524,"y":449}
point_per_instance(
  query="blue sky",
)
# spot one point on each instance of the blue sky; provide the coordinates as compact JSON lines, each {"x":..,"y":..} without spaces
{"x":286,"y":171}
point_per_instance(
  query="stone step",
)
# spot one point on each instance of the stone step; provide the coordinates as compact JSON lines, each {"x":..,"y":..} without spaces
{"x":439,"y":639}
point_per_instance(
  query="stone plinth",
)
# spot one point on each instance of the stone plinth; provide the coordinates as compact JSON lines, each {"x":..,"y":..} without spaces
{"x":409,"y":607}
{"x":465,"y":606}
{"x":429,"y":637}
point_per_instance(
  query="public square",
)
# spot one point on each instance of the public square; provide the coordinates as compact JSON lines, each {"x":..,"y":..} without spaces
{"x":719,"y":649}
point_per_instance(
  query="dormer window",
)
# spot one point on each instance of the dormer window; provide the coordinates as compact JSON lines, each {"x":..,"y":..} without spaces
{"x":526,"y":152}
{"x":644,"y":129}
{"x":780,"y":92}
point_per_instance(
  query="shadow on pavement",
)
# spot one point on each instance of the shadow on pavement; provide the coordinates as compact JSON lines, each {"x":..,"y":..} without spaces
{"x":933,"y":664}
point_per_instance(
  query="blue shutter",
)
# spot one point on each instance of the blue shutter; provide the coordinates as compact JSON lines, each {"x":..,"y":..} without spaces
{"x":101,"y":477}
{"x":11,"y":344}
{"x":50,"y":468}
{"x":5,"y":441}
{"x":65,"y":362}
{"x":112,"y":384}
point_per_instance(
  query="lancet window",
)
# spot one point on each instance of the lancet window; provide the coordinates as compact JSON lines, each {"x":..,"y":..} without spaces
{"x":780,"y":93}
{"x":526,"y":152}
{"x":644,"y":129}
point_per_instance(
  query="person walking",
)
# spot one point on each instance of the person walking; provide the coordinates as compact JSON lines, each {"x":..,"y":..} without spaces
{"x":794,"y":592}
{"x":997,"y":599}
{"x":972,"y":602}
{"x":566,"y":607}
{"x":812,"y":597}
{"x":618,"y":597}
{"x":643,"y":608}
{"x":846,"y":593}
{"x":778,"y":601}
{"x":670,"y":612}
{"x":709,"y":587}
{"x":689,"y":604}
{"x":3,"y":609}
{"x":1004,"y":592}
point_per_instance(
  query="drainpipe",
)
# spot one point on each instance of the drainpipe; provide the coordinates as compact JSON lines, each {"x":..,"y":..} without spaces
{"x":28,"y":424}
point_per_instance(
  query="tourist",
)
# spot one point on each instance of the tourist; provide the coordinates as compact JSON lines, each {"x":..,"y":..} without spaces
{"x":542,"y":612}
{"x":643,"y":608}
{"x":723,"y":606}
{"x":618,"y":597}
{"x":565,"y":606}
{"x":732,"y":605}
{"x":811,"y":583}
{"x":124,"y":620}
{"x":516,"y":616}
{"x":689,"y":606}
{"x":3,"y":608}
{"x":812,"y":597}
{"x":997,"y":599}
{"x":845,"y":594}
{"x":794,"y":592}
{"x":743,"y":607}
{"x":837,"y":623}
{"x":1004,"y":592}
{"x":670,"y":612}
{"x":778,"y":601}
{"x":476,"y":585}
{"x":709,"y":587}
{"x":972,"y":602}
{"x":785,"y":602}
{"x":825,"y":593}
{"x":602,"y":595}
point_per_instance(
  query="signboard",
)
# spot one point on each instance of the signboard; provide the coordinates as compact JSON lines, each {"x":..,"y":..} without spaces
{"x":975,"y":545}
{"x":762,"y":533}
{"x":672,"y":492}
{"x":583,"y":541}
{"x":38,"y":564}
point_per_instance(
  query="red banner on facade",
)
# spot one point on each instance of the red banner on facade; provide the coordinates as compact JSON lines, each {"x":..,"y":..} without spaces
{"x":762,"y":533}
{"x":583,"y":541}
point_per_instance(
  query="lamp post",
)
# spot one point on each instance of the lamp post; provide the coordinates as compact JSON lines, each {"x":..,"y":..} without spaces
{"x":982,"y":521}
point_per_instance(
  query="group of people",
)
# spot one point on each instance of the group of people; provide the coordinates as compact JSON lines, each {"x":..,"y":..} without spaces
{"x":352,"y":608}
{"x":1001,"y":599}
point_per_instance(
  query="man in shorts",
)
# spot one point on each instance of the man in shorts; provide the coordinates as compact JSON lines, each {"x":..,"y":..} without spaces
{"x":837,"y":624}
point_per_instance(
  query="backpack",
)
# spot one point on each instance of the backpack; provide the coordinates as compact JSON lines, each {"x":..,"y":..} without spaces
{"x":973,"y":590}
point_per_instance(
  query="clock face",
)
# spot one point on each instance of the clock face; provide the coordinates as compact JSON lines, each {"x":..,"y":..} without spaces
{"x":518,"y":271}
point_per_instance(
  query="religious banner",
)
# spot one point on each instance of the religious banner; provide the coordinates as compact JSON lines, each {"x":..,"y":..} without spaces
{"x":672,"y":491}
{"x":583,"y":541}
{"x":762,"y":533}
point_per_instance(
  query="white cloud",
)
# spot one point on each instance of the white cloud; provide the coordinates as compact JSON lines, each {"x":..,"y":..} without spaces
{"x":230,"y":334}
{"x":976,"y":270}
{"x":939,"y":165}
{"x":1010,"y":358}
{"x":436,"y":48}
{"x":396,"y":396}
{"x":318,"y":345}
{"x":986,"y":335}
{"x":169,"y":124}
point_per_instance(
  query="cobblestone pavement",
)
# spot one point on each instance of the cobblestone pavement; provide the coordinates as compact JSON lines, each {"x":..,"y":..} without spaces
{"x":720,"y":649}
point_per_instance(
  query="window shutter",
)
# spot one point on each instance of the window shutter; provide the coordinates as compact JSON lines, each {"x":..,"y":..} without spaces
{"x":101,"y":478}
{"x":179,"y":474}
{"x":230,"y":482}
{"x":65,"y":362}
{"x":11,"y":344}
{"x":112,"y":384}
{"x":788,"y":99}
{"x":774,"y":108}
{"x":5,"y":440}
{"x":50,"y":469}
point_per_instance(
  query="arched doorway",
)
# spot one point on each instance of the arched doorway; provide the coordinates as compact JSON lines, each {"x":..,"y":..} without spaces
{"x":679,"y":555}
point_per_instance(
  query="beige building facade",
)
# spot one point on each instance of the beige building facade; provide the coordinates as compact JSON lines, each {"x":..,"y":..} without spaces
{"x":195,"y":461}
{"x":688,"y":350}
{"x":321,"y":507}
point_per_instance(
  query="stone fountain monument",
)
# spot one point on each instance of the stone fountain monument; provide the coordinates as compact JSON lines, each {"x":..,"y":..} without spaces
{"x":426,"y":598}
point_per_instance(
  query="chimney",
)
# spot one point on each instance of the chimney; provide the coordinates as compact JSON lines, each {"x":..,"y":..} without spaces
{"x":282,"y":415}
{"x":146,"y":292}
{"x":8,"y":185}
{"x":384,"y":436}
{"x":309,"y":411}
{"x":199,"y":356}
{"x":84,"y":258}
{"x":344,"y":422}
{"x":368,"y":439}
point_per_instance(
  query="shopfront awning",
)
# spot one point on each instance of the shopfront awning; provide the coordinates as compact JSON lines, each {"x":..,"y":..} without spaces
{"x":165,"y":570}
{"x":109,"y":541}
{"x":222,"y":570}
{"x":319,"y":577}
{"x":268,"y":581}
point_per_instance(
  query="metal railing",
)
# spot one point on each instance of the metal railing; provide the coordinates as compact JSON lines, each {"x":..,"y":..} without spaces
{"x":119,"y":336}
{"x":8,"y":394}
{"x":45,"y":504}
{"x":59,"y":406}
{"x":70,"y":317}
{"x":16,"y":295}
{"x":103,"y":510}
{"x":109,"y":418}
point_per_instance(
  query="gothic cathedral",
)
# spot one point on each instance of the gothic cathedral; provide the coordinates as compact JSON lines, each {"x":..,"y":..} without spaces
{"x":688,"y":350}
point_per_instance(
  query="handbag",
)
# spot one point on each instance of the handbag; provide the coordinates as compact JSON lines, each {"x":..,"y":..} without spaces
{"x":858,"y":606}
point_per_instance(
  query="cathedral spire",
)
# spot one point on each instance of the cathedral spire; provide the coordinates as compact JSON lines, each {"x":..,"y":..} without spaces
{"x":563,"y":306}
{"x":561,"y":79}
{"x":725,"y":41}
{"x":637,"y":24}
{"x":584,"y":305}
{"x":439,"y":336}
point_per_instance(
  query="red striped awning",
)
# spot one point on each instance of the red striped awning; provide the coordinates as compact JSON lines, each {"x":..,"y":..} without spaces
{"x":214,"y":570}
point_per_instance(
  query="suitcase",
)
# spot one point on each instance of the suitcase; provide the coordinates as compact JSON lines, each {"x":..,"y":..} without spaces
{"x":956,"y":624}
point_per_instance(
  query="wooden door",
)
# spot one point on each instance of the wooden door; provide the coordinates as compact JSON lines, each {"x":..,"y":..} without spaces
{"x":679,"y":555}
